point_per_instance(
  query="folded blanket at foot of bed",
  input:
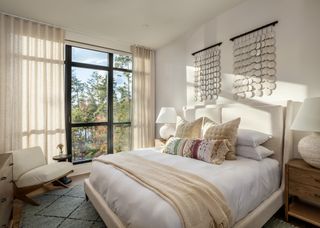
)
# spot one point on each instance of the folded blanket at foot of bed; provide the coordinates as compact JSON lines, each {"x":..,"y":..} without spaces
{"x":197,"y":202}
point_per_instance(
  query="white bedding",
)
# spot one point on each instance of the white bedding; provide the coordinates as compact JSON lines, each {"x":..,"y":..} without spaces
{"x":245,"y":183}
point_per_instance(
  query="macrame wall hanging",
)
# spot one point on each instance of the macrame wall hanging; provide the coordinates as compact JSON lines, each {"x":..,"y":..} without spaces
{"x":207,"y":75}
{"x":255,"y":62}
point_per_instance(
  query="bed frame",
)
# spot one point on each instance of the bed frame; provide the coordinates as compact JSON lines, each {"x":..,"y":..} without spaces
{"x":251,"y":118}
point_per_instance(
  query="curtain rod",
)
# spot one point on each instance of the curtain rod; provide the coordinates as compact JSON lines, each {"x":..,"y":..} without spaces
{"x":55,"y":26}
{"x":253,"y":30}
{"x":28,"y":19}
{"x":98,"y":46}
{"x":217,"y":44}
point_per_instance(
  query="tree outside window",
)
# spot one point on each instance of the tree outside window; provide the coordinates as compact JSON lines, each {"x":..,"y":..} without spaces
{"x":100,"y":83}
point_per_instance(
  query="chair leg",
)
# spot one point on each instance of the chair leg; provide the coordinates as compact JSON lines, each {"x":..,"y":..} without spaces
{"x":47,"y":188}
{"x":27,"y":200}
{"x":58,"y":182}
{"x":21,"y":194}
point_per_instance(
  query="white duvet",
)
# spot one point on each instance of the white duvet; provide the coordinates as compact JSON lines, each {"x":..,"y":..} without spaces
{"x":245,"y":183}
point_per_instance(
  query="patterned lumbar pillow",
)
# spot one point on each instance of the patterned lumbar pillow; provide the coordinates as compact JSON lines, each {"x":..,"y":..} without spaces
{"x":174,"y":145}
{"x":191,"y":130}
{"x":211,"y":151}
{"x":226,"y":130}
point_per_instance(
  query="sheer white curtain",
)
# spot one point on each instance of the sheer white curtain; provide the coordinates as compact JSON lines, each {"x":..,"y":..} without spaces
{"x":31,"y":85}
{"x":143,"y":119}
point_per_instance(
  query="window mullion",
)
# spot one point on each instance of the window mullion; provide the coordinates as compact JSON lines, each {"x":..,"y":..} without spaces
{"x":89,"y":124}
{"x":68,"y":101}
{"x":89,"y":66}
{"x":110,"y":105}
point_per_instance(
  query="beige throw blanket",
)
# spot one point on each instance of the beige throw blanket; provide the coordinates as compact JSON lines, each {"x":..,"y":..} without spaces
{"x":198,"y":203}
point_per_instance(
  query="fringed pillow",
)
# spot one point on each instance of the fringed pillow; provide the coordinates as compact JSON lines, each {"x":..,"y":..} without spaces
{"x":174,"y":146}
{"x":211,"y":151}
{"x":226,"y":130}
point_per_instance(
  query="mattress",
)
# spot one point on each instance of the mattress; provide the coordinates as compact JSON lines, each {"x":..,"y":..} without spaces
{"x":245,"y":183}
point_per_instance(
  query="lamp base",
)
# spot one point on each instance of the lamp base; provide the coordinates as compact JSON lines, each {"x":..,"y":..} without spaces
{"x":309,"y":149}
{"x":166,"y":131}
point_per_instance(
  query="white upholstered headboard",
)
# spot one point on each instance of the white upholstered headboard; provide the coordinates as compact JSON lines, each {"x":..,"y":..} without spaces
{"x":268,"y":119}
{"x":213,"y":112}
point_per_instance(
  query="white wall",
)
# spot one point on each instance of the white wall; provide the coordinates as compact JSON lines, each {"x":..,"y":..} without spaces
{"x":298,"y":51}
{"x":170,"y":75}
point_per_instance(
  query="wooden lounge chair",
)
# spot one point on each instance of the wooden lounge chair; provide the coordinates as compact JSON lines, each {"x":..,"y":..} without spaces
{"x":31,"y":171}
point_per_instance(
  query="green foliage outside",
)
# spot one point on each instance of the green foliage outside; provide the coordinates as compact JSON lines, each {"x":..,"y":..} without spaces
{"x":90,"y":104}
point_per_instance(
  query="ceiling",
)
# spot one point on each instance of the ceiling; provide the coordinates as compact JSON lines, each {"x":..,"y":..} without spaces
{"x":151,"y":23}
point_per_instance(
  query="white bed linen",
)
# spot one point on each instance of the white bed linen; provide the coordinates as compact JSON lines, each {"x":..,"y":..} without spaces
{"x":245,"y":183}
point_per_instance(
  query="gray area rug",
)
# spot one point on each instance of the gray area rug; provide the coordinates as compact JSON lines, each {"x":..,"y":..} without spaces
{"x":61,"y":208}
{"x":278,"y":223}
{"x":69,"y":208}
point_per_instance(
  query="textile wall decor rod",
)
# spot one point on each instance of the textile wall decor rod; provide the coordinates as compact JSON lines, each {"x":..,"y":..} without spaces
{"x":217,"y":44}
{"x":253,"y":30}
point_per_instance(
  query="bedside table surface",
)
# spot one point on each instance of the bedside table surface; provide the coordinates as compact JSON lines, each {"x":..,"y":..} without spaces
{"x":301,"y":164}
{"x":302,"y":185}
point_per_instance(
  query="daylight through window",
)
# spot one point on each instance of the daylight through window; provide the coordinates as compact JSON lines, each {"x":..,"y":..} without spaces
{"x":98,"y":102}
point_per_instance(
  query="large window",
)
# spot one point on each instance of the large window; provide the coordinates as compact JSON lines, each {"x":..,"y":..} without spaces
{"x":98,"y":102}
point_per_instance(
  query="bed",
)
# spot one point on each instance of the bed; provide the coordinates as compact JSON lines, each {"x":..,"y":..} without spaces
{"x":253,"y":190}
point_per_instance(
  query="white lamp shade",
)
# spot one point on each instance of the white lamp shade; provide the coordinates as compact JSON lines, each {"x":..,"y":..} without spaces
{"x":167,"y":115}
{"x":308,"y":116}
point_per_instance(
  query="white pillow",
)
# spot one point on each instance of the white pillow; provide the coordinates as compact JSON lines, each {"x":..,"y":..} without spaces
{"x":251,"y":138}
{"x":257,"y":153}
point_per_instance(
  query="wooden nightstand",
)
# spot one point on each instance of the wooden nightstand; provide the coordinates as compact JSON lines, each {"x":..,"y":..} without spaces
{"x":159,"y":142}
{"x":6,"y":189}
{"x":302,"y":183}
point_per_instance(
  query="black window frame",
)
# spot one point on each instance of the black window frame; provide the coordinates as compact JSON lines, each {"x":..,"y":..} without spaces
{"x":68,"y":107}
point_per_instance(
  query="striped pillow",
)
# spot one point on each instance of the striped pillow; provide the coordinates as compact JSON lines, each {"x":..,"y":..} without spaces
{"x":212,"y":151}
{"x":174,"y":145}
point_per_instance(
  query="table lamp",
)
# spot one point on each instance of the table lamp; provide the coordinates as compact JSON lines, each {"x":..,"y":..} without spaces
{"x":308,"y":119}
{"x":168,"y":117}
